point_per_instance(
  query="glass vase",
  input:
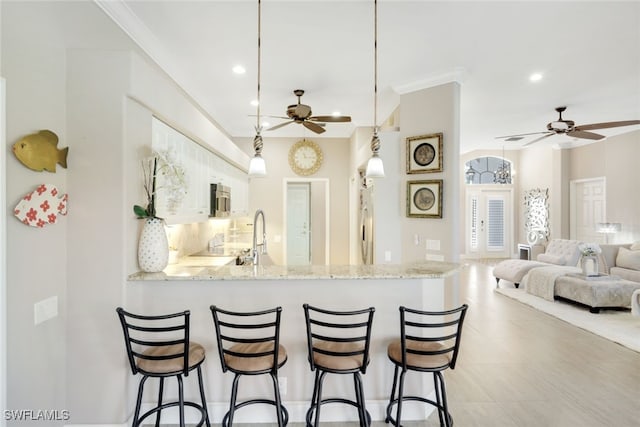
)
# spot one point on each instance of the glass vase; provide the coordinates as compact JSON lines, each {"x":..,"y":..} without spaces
{"x":589,"y":265}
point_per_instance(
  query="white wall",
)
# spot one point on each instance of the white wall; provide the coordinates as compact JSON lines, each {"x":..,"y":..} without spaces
{"x":616,"y":158}
{"x":74,"y":72}
{"x":425,"y":112}
{"x":266,"y":193}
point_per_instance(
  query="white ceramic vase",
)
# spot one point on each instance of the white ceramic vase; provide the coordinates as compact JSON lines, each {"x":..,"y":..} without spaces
{"x":153,"y":247}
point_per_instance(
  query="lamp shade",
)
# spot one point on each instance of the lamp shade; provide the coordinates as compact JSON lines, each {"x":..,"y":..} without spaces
{"x":257,"y":167}
{"x":375,"y":168}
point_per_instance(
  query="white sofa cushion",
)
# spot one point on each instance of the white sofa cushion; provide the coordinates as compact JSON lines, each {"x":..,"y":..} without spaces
{"x":635,"y":246}
{"x":552,"y":259}
{"x":628,"y":259}
{"x":561,"y":252}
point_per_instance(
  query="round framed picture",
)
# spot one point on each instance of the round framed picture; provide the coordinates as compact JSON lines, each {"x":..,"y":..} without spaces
{"x":424,"y":199}
{"x":424,"y":153}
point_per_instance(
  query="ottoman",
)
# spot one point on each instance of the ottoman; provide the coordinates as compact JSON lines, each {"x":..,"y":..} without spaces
{"x":514,"y":270}
{"x":598,"y":292}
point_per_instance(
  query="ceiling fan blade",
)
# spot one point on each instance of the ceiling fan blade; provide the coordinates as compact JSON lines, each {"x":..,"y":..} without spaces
{"x":607,"y":125}
{"x":313,"y":126}
{"x":280,"y":125}
{"x":330,"y":119}
{"x":520,"y":134}
{"x":576,"y":133}
{"x":273,"y":117}
{"x":539,"y":139}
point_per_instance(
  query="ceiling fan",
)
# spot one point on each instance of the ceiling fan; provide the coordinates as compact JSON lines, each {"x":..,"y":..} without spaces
{"x":568,"y":127}
{"x":301,"y":113}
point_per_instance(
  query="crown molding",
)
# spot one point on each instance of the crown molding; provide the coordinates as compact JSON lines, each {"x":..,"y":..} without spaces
{"x":458,"y":75}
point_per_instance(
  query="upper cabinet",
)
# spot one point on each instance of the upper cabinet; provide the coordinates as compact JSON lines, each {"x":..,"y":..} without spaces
{"x":185,"y":172}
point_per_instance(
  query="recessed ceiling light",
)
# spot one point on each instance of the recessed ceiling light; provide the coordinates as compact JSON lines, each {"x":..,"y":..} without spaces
{"x":336,"y":113}
{"x":239,"y":69}
{"x":535,"y":77}
{"x":254,"y":102}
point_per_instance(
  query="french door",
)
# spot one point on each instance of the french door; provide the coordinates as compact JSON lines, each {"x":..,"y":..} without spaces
{"x":489,"y":223}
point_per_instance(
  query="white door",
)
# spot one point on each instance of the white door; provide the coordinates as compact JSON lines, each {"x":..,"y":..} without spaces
{"x":488,"y":219}
{"x":588,"y":207}
{"x":298,"y":233}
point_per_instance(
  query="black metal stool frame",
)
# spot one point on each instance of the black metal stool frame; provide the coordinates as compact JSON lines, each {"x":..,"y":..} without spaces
{"x":441,"y":396}
{"x":130,"y":327}
{"x":222,"y":338}
{"x":314,"y":324}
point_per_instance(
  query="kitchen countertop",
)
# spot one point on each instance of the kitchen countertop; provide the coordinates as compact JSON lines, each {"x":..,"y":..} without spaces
{"x":197,"y":268}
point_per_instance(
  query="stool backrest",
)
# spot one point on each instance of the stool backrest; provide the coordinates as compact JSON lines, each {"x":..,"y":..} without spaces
{"x":258,"y":332}
{"x":165,"y":335}
{"x":339,"y":334}
{"x":442,"y":328}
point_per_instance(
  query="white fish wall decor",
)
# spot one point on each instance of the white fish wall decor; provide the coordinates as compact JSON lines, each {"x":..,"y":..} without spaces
{"x":42,"y":206}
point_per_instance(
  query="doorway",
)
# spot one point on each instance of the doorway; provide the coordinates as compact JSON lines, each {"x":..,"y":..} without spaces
{"x":306,"y":219}
{"x":588,"y":206}
{"x":489,"y":227}
{"x":3,"y":254}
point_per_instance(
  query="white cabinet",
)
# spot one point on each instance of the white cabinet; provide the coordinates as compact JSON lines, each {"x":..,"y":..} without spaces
{"x":200,"y":168}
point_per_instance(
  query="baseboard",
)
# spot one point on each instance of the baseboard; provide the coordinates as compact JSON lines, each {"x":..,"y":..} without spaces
{"x":265,"y":413}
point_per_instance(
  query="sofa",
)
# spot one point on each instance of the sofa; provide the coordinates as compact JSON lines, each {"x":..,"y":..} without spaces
{"x":559,"y":265}
{"x":622,"y":261}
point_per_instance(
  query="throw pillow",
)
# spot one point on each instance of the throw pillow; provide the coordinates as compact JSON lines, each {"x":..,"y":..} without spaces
{"x":552,"y":259}
{"x":628,"y":259}
{"x":635,"y":246}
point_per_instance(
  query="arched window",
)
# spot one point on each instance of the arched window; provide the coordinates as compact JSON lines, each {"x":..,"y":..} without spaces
{"x":488,"y":170}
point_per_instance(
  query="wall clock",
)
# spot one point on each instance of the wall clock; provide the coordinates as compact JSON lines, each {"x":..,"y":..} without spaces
{"x":305,"y":157}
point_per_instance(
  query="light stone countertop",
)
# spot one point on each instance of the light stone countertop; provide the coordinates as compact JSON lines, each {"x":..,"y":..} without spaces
{"x":416,"y":270}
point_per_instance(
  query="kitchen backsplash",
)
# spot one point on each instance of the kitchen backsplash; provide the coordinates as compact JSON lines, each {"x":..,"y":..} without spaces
{"x":232,"y":233}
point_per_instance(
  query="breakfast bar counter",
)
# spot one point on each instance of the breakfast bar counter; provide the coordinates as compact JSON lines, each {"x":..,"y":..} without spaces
{"x":428,"y":285}
{"x":197,"y":269}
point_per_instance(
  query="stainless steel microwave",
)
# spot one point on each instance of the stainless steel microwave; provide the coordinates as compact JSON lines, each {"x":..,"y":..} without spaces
{"x":220,"y":205}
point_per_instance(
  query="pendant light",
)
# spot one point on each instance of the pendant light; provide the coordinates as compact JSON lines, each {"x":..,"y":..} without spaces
{"x":375,"y":168}
{"x":257,"y":166}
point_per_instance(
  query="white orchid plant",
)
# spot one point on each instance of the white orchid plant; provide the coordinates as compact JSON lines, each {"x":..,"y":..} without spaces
{"x":589,"y":249}
{"x":173,"y":174}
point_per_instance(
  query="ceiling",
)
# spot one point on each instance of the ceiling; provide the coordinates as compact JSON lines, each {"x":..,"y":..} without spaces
{"x":588,"y":54}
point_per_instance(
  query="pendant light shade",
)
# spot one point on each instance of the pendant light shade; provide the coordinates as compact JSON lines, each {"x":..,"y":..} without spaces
{"x":257,"y":166}
{"x":375,"y":168}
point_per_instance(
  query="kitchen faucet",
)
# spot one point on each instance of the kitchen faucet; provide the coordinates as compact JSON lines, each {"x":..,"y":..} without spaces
{"x":255,"y":255}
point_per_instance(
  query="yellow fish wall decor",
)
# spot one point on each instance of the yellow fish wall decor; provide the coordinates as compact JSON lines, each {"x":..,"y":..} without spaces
{"x":39,"y":151}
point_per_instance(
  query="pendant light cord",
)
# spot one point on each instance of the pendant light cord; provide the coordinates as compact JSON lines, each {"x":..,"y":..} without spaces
{"x":375,"y":141}
{"x":257,"y":140}
{"x":259,"y":31}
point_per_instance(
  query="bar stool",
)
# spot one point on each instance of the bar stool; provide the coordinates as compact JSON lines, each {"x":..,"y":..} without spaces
{"x":429,"y":342}
{"x":159,"y":347}
{"x":338,"y":343}
{"x":249,"y":344}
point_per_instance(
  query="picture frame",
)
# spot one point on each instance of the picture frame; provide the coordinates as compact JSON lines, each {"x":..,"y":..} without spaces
{"x":424,"y":199}
{"x":424,"y":153}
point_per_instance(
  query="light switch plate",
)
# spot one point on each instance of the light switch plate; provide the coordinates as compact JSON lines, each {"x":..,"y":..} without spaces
{"x":45,"y":310}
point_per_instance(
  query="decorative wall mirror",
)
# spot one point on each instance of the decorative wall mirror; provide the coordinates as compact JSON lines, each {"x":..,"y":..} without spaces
{"x":536,"y":215}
